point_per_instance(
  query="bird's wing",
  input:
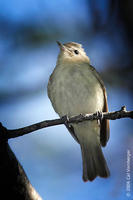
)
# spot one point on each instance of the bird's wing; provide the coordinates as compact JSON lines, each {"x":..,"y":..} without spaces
{"x":104,"y":130}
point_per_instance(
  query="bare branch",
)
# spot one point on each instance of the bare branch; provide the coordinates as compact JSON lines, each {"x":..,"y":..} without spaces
{"x":7,"y":134}
{"x":14,"y":183}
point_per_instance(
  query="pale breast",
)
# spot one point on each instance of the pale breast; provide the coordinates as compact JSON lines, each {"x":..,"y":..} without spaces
{"x":74,"y":90}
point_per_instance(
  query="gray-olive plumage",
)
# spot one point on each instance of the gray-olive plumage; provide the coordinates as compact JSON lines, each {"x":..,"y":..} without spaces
{"x":75,"y":87}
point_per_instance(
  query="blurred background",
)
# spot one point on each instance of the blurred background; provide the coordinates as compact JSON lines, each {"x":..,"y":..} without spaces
{"x":28,"y":52}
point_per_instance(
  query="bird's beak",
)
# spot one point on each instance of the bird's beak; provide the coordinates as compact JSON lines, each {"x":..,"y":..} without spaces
{"x":62,"y":47}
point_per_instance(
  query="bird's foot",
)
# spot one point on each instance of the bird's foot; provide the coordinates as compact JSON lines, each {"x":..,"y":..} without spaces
{"x":65,"y":118}
{"x":100,"y":117}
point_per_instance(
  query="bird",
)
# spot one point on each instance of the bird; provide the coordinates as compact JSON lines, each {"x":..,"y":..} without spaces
{"x":75,"y":87}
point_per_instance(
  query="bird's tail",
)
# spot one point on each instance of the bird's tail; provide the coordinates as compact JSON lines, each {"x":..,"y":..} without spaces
{"x":94,"y":163}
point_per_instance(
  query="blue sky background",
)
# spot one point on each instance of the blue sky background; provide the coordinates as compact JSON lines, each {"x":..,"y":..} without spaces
{"x":28,"y":53}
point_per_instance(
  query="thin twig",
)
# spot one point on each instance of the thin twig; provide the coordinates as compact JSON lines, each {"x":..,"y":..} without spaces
{"x":7,"y":134}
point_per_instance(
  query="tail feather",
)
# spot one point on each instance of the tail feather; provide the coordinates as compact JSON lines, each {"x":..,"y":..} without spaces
{"x":94,"y":163}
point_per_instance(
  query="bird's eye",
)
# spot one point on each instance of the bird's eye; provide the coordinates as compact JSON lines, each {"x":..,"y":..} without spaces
{"x":76,"y":51}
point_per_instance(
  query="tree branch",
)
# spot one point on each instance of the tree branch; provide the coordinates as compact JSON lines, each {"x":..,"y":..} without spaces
{"x":7,"y":134}
{"x":14,"y":183}
{"x":18,"y":185}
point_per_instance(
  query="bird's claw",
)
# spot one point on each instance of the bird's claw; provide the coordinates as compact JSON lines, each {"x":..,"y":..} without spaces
{"x":100,"y":117}
{"x":65,"y":118}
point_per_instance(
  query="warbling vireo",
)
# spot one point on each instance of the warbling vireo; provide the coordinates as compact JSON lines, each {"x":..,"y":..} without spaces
{"x":75,"y":87}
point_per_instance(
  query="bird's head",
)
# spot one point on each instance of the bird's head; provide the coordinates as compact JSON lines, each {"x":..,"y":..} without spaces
{"x":71,"y":52}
